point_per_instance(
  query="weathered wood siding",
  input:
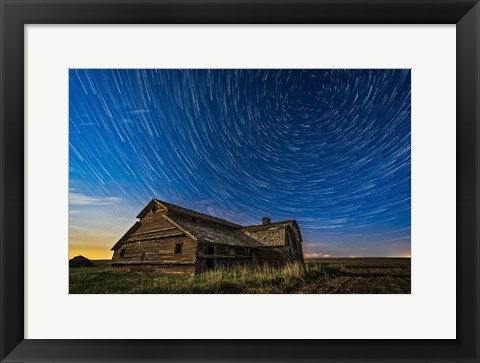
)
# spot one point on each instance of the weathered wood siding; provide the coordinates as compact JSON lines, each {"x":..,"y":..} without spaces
{"x":151,"y":223}
{"x":292,"y":251}
{"x":154,"y":246}
{"x":157,"y":251}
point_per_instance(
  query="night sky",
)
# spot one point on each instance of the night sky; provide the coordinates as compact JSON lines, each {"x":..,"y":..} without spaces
{"x":329,"y":148}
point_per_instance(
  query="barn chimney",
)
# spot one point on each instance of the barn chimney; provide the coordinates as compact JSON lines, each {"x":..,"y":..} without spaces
{"x":266,"y":220}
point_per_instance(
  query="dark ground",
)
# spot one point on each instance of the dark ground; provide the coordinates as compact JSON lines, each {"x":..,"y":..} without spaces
{"x":365,"y":276}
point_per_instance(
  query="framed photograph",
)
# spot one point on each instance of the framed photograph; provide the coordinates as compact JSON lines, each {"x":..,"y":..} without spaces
{"x":314,"y":198}
{"x":240,"y":181}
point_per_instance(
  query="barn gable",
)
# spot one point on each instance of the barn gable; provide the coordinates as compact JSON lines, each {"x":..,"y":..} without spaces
{"x":156,"y":243}
{"x":154,"y":224}
{"x":274,"y":234}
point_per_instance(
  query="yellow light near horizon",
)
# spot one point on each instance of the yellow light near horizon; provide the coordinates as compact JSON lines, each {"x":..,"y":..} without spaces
{"x":91,"y":244}
{"x":90,"y":253}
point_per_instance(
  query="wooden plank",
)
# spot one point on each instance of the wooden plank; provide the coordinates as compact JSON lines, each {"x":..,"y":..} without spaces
{"x":157,"y":250}
{"x":140,"y":238}
{"x":154,"y":231}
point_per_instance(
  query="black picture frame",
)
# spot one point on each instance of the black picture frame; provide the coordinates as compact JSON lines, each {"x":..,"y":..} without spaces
{"x":15,"y":14}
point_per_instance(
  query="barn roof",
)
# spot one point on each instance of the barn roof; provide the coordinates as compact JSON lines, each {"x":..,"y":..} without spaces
{"x":188,"y":212}
{"x":216,"y":233}
{"x":263,"y":227}
{"x":206,"y":228}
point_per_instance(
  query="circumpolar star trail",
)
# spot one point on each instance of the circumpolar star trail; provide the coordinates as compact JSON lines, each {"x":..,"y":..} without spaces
{"x":329,"y":148}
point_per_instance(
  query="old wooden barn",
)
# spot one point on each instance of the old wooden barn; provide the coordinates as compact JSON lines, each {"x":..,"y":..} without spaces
{"x":169,"y":238}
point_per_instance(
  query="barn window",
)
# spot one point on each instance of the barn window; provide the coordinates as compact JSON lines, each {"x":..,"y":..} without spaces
{"x":178,"y":248}
{"x":248,"y":251}
{"x":193,"y":219}
{"x":122,"y":253}
{"x":143,"y":256}
{"x":231,"y":251}
{"x":209,"y":250}
{"x":154,"y":209}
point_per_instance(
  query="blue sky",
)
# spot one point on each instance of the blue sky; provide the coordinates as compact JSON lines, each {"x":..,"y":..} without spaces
{"x":329,"y":148}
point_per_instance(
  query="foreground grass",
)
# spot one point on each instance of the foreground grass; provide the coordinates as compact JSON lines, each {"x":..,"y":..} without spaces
{"x":239,"y":280}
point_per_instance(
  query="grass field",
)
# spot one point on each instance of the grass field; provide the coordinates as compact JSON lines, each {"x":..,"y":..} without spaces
{"x":318,"y":276}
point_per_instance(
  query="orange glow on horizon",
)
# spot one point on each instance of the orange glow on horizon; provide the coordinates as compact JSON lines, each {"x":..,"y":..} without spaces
{"x":91,"y":254}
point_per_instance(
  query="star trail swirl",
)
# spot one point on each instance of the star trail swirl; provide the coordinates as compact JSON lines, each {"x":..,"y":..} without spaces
{"x":329,"y":148}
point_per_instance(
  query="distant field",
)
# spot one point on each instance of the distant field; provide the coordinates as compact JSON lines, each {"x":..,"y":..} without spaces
{"x":319,"y":276}
{"x":386,"y":262}
{"x":367,"y":276}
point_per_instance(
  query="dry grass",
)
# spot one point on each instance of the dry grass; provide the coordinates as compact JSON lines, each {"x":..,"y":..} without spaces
{"x":263,"y":279}
{"x":318,"y":278}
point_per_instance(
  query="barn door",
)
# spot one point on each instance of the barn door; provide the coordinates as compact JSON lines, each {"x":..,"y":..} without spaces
{"x":209,"y":263}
